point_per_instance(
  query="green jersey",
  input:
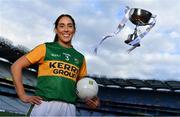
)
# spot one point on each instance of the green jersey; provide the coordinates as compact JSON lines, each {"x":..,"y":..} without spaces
{"x":59,"y":70}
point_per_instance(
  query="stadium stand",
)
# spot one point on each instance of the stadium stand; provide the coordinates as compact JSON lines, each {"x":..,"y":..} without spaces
{"x":119,"y":96}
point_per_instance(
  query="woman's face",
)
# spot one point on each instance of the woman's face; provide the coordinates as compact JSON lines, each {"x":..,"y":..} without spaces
{"x":65,"y":30}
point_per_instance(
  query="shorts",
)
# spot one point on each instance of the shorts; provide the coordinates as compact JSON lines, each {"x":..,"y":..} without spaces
{"x":53,"y":108}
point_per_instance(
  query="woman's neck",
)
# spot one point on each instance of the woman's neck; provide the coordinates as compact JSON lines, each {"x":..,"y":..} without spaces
{"x":66,"y":45}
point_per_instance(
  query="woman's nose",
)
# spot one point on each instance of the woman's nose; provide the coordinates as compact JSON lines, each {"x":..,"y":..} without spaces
{"x":65,"y":28}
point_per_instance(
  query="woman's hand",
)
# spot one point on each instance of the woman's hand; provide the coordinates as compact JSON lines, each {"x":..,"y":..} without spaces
{"x":92,"y":103}
{"x":31,"y":99}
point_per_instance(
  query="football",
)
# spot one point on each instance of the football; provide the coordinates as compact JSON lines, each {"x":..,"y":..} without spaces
{"x":86,"y":88}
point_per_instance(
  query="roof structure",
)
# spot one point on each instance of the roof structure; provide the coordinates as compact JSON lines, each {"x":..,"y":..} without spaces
{"x":173,"y":86}
{"x":11,"y":53}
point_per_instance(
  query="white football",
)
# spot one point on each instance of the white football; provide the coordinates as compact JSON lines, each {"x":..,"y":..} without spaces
{"x":86,"y":88}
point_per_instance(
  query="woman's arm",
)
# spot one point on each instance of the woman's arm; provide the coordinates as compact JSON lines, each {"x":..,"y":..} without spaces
{"x":16,"y":70}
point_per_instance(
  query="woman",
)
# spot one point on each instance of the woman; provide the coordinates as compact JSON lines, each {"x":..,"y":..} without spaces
{"x":60,"y":67}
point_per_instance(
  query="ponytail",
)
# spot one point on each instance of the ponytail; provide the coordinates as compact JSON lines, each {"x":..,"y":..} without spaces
{"x":55,"y":38}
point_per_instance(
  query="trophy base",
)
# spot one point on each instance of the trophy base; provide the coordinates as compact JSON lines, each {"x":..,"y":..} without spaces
{"x":131,"y":37}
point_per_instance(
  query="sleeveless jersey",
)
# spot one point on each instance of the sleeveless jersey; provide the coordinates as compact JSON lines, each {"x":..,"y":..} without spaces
{"x":59,"y":69}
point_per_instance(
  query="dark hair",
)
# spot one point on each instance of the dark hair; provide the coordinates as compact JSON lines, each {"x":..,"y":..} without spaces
{"x":56,"y":24}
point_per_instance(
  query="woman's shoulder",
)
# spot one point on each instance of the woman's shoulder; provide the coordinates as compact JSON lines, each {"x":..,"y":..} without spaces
{"x":78,"y":52}
{"x":49,"y":43}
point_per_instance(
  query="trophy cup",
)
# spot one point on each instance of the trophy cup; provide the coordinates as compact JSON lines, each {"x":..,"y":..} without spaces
{"x":139,"y":17}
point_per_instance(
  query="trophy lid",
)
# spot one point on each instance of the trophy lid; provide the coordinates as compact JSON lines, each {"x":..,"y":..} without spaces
{"x":139,"y":17}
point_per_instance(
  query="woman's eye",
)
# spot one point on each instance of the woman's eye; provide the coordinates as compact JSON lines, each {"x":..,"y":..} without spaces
{"x":70,"y":26}
{"x":61,"y":26}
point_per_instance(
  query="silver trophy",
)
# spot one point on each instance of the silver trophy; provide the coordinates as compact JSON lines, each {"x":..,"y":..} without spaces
{"x":138,"y":17}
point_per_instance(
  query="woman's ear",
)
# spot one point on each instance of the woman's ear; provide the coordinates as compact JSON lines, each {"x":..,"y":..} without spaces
{"x":55,"y":30}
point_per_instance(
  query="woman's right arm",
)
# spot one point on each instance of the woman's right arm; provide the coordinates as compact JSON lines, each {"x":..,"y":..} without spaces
{"x":16,"y":70}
